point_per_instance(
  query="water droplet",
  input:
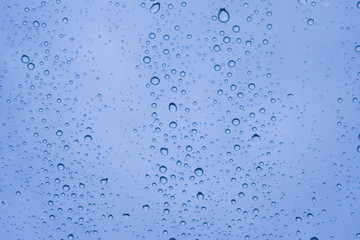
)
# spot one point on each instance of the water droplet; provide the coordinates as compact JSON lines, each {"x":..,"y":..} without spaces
{"x":236,"y":28}
{"x":163,"y":180}
{"x":357,"y":48}
{"x":104,"y":181}
{"x":162,"y":169}
{"x":235,"y":121}
{"x":358,"y":149}
{"x":251,"y":86}
{"x":59,"y":133}
{"x":146,"y":207}
{"x":200,"y":196}
{"x":164,"y":151}
{"x":199,"y":172}
{"x":172,"y":107}
{"x":154,"y":80}
{"x":155,"y":8}
{"x":223,"y":15}
{"x":302,"y":2}
{"x":310,"y":22}
{"x":172,"y":124}
{"x":147,"y":59}
{"x":66,"y":188}
{"x":60,"y":167}
{"x":36,"y":24}
{"x":255,"y":137}
{"x":88,"y":138}
{"x":25,"y":59}
{"x":31,"y":66}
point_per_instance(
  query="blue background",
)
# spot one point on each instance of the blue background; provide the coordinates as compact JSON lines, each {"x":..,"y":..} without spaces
{"x":261,"y":97}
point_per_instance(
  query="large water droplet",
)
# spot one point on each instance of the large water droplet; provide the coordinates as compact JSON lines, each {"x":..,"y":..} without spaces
{"x":310,"y":22}
{"x":200,"y":196}
{"x":172,"y":107}
{"x":164,"y":151}
{"x":155,"y":8}
{"x":162,"y":169}
{"x":223,"y":15}
{"x":172,"y":124}
{"x":163,"y":180}
{"x":154,"y":80}
{"x":199,"y":172}
{"x":104,"y":181}
{"x":235,"y":121}
{"x":31,"y":66}
{"x":88,"y":138}
{"x":25,"y":59}
{"x":60,"y":167}
{"x":66,"y":188}
{"x":255,"y":137}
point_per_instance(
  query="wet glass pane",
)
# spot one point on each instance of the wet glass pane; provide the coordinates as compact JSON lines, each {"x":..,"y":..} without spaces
{"x":179,"y":120}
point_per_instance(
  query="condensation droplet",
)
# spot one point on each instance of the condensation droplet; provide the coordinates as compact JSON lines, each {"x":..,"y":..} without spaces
{"x":172,"y":107}
{"x":223,"y":15}
{"x":25,"y":59}
{"x":200,"y":196}
{"x":164,"y":151}
{"x":155,"y":8}
{"x":199,"y":172}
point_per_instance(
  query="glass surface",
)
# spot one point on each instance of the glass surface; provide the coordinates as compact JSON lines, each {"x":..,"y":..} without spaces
{"x":179,"y":120}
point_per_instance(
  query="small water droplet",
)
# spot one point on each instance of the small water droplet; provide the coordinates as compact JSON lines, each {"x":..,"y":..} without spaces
{"x":59,"y":133}
{"x":302,"y":2}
